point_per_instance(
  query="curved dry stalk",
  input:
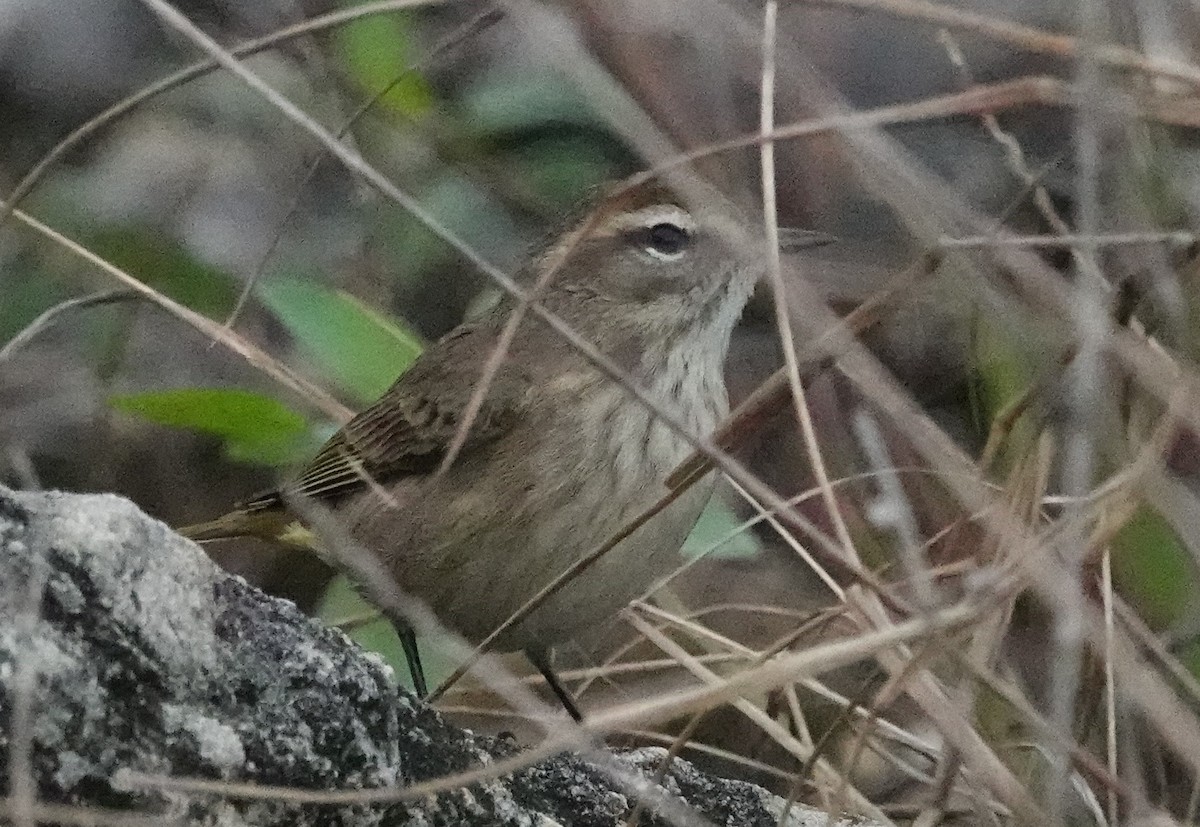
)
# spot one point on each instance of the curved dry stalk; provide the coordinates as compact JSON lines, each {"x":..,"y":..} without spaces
{"x":1110,"y":683}
{"x":48,"y":317}
{"x":1027,"y":38}
{"x":257,"y":357}
{"x":777,"y":672}
{"x":476,"y":24}
{"x":886,"y":728}
{"x":760,"y":718}
{"x":783,"y":321}
{"x":66,"y":814}
{"x":122,"y":107}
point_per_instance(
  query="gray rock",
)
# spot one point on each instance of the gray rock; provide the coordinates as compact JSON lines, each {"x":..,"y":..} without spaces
{"x":147,"y":658}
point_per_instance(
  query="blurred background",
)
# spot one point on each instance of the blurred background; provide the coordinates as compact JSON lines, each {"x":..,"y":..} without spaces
{"x":500,"y":119}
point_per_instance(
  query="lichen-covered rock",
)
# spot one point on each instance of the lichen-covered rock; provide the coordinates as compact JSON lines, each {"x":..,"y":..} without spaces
{"x":134,"y":653}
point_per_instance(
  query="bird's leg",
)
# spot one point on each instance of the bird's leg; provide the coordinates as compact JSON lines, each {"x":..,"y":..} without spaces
{"x":540,"y":658}
{"x":408,"y":640}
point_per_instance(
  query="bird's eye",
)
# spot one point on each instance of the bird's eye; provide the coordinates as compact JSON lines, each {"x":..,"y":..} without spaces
{"x":666,"y":241}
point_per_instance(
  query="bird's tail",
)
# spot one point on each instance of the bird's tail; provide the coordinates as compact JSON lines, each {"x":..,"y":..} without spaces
{"x":261,"y":518}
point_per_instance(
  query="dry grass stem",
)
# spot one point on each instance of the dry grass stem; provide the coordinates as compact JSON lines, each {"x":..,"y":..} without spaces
{"x":257,"y":357}
{"x":476,"y":24}
{"x":49,"y":317}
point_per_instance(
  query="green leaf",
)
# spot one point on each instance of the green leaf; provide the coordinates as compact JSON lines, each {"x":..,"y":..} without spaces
{"x":518,"y":101}
{"x":356,"y":347}
{"x":378,"y":50}
{"x":1003,"y":370}
{"x":253,"y":427}
{"x":719,"y":532}
{"x":342,"y":601}
{"x":455,"y":201}
{"x":563,"y":170}
{"x":1154,"y":569}
{"x":166,"y":266}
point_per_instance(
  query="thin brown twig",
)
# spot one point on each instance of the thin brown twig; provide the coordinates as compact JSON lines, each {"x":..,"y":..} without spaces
{"x":64,"y":814}
{"x":767,"y":399}
{"x":48,"y":317}
{"x":477,"y":24}
{"x":1024,"y":37}
{"x":752,"y":711}
{"x":257,"y":357}
{"x":783,"y":322}
{"x":93,"y":125}
{"x":780,"y":670}
{"x":1171,"y":237}
{"x":1110,"y":681}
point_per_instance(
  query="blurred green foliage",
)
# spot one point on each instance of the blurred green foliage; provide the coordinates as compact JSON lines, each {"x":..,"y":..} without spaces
{"x":357,"y":348}
{"x":253,"y":427}
{"x":164,"y":264}
{"x":1003,"y":371}
{"x":36,"y":279}
{"x":342,"y":602}
{"x":721,"y":533}
{"x":1154,"y":570}
{"x":377,"y":51}
{"x":354,"y":346}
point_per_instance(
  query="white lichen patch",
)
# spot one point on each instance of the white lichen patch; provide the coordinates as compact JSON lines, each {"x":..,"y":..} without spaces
{"x":217,"y":743}
{"x":166,"y":596}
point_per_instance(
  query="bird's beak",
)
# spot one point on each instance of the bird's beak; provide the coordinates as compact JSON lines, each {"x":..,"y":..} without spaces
{"x":792,"y":240}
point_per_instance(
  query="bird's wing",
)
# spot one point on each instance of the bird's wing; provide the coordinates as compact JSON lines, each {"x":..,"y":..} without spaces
{"x":408,"y":430}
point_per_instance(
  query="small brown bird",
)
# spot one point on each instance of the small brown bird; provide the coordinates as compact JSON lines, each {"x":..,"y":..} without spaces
{"x":559,"y":457}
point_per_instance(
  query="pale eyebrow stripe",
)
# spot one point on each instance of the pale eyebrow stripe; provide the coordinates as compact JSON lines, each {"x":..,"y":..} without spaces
{"x":657,"y":214}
